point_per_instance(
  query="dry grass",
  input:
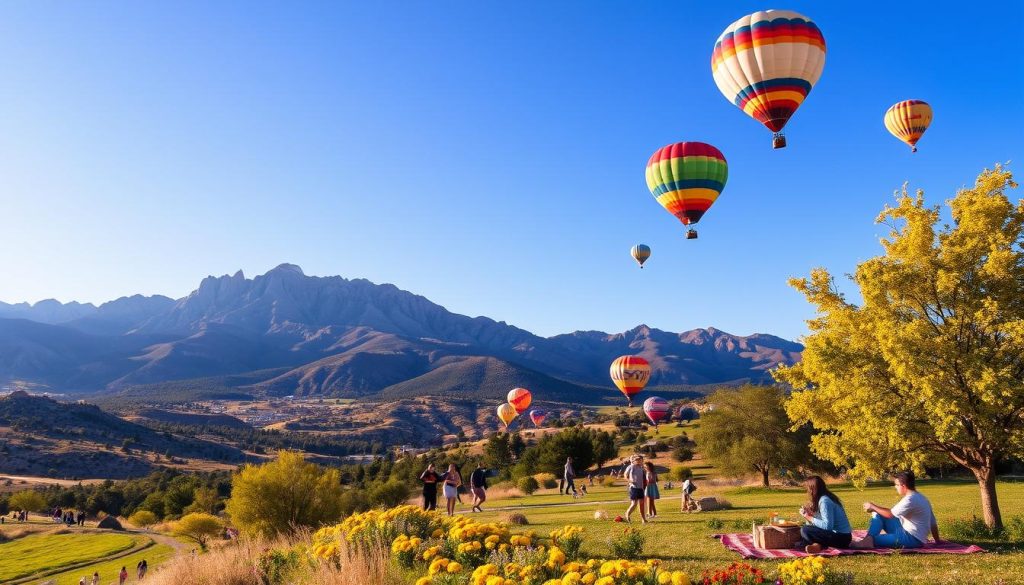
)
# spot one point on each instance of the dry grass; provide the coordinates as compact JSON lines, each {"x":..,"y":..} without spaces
{"x":238,"y":564}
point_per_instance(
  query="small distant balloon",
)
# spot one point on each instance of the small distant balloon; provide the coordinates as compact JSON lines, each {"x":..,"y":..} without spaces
{"x":520,"y":399}
{"x":908,"y":120}
{"x":630,"y":373}
{"x":538,"y":416}
{"x":507,"y":413}
{"x":656,"y":409}
{"x":640,"y":253}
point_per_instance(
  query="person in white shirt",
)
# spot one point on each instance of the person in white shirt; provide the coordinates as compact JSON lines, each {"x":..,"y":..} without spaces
{"x":635,"y":475}
{"x":905,"y":525}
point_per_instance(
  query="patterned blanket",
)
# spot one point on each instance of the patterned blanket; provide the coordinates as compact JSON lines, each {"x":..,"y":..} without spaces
{"x":743,"y":543}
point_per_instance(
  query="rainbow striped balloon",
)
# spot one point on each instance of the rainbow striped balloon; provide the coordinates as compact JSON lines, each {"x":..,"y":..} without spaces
{"x":908,"y":120}
{"x":766,"y":63}
{"x":686,"y":178}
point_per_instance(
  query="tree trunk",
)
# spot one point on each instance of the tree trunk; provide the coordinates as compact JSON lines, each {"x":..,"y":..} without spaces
{"x":986,"y":476}
{"x":764,"y":476}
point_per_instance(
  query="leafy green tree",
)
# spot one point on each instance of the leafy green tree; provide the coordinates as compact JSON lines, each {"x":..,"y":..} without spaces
{"x":930,"y":366}
{"x":748,"y":431}
{"x":604,"y":447}
{"x":198,"y":527}
{"x":284,"y":495}
{"x":574,"y":442}
{"x":498,"y":451}
{"x":30,"y":500}
{"x":143,"y":519}
{"x":204,"y":500}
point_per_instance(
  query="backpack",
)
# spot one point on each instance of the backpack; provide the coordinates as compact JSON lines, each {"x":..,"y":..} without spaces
{"x":692,"y":488}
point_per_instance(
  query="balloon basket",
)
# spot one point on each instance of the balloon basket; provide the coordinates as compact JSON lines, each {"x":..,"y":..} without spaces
{"x":778,"y":140}
{"x":691,"y":234}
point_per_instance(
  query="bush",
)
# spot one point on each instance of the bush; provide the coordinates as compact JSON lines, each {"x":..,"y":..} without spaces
{"x":547,"y":480}
{"x":680,"y":473}
{"x":969,"y":529}
{"x":682,"y":454}
{"x":28,"y":500}
{"x":627,"y":545}
{"x":1015,"y":529}
{"x":714,"y":523}
{"x":517,"y":519}
{"x":142,"y":519}
{"x":389,"y":494}
{"x":528,"y":485}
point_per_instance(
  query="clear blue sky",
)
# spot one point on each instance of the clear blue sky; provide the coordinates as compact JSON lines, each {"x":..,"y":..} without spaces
{"x":489,"y":156}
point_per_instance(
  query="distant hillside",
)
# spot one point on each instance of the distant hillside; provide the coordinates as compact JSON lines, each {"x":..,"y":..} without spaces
{"x":40,"y":436}
{"x":188,"y":418}
{"x":330,"y":336}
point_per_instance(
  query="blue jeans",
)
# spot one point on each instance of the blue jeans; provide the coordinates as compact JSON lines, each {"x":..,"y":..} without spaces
{"x":812,"y":534}
{"x":889,"y":533}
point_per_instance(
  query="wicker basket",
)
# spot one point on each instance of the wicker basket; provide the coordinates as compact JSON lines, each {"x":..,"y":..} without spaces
{"x":770,"y":536}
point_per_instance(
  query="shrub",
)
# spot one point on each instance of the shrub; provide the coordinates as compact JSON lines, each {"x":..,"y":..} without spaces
{"x":629,"y":544}
{"x":546,"y":480}
{"x":28,"y":500}
{"x":142,"y":519}
{"x":198,"y":527}
{"x":1015,"y":529}
{"x":389,"y":494}
{"x":681,"y":473}
{"x":517,"y":519}
{"x":714,"y":523}
{"x":968,"y":529}
{"x":528,"y":485}
{"x":570,"y":540}
{"x":682,"y":454}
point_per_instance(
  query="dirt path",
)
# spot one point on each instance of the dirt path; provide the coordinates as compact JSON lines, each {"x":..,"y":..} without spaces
{"x":178,"y":546}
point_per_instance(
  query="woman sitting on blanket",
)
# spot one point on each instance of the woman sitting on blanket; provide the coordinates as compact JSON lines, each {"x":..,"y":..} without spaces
{"x":828,"y":524}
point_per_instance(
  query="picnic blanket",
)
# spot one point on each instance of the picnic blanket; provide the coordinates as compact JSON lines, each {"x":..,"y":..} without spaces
{"x":743,"y":543}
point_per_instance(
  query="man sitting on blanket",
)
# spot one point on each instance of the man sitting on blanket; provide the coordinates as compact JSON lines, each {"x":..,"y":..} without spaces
{"x":905,"y":525}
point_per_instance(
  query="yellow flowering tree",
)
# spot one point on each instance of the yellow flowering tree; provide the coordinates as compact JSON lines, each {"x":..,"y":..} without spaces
{"x":930,"y":365}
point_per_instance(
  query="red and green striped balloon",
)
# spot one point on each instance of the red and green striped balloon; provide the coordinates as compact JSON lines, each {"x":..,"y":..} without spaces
{"x":686,"y":178}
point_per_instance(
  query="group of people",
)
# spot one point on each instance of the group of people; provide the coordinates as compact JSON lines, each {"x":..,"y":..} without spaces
{"x":122,"y":577}
{"x":451,"y":484}
{"x":68,"y":517}
{"x":906,"y":525}
{"x":642,"y":482}
{"x":16,"y":516}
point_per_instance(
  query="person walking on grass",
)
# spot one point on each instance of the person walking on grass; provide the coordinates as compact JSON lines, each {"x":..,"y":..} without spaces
{"x":569,"y":473}
{"x":452,"y":481}
{"x":122,"y":576}
{"x":478,"y":485}
{"x":96,"y":578}
{"x":634,"y":475}
{"x":688,"y":488}
{"x":430,"y":477}
{"x":905,"y":525}
{"x":651,"y":492}
{"x":828,"y":524}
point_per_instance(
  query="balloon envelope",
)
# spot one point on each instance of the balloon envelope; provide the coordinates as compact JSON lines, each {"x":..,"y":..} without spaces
{"x":506,"y":413}
{"x":630,"y":373}
{"x":640,"y":253}
{"x":538,"y":416}
{"x":767,"y":62}
{"x":686,"y":178}
{"x":656,"y":408}
{"x":520,"y":399}
{"x":908,"y":120}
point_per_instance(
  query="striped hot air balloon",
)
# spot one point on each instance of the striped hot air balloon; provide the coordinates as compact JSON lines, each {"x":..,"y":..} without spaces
{"x":908,"y":120}
{"x":630,"y":373}
{"x":506,"y":413}
{"x":686,"y":178}
{"x":640,"y":253}
{"x":766,"y":63}
{"x":656,"y":408}
{"x":538,"y":416}
{"x":520,"y":399}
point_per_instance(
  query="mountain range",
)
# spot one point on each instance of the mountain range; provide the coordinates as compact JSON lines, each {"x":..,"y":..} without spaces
{"x":286,"y":333}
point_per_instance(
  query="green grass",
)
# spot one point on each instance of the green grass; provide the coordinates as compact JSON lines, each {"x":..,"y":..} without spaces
{"x":108,"y":570}
{"x":684,"y":540}
{"x":40,"y":552}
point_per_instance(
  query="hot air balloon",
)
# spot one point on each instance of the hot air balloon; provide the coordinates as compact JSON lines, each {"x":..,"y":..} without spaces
{"x":908,"y":120}
{"x":640,"y":253}
{"x":630,"y":373}
{"x":507,"y":414}
{"x":655,"y":408}
{"x":520,"y":399}
{"x":686,"y":178}
{"x":538,"y":416}
{"x":766,"y":63}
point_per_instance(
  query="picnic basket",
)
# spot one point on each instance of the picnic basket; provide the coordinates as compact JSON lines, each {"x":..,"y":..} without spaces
{"x":774,"y":536}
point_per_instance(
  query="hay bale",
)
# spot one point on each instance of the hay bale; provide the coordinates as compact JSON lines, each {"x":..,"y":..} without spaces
{"x":517,"y":519}
{"x":708,"y":504}
{"x":110,"y":523}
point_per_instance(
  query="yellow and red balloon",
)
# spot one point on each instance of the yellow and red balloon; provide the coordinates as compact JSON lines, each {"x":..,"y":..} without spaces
{"x":630,"y":373}
{"x":908,"y":120}
{"x":520,"y":399}
{"x":506,"y":413}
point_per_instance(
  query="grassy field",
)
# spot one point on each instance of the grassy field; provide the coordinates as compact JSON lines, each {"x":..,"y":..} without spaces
{"x":108,"y":570}
{"x":51,"y":550}
{"x":684,"y":540}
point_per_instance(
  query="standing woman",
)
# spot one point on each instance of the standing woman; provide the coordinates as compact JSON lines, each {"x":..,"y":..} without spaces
{"x":828,"y":524}
{"x":651,"y":492}
{"x":452,"y":481}
{"x":429,"y":479}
